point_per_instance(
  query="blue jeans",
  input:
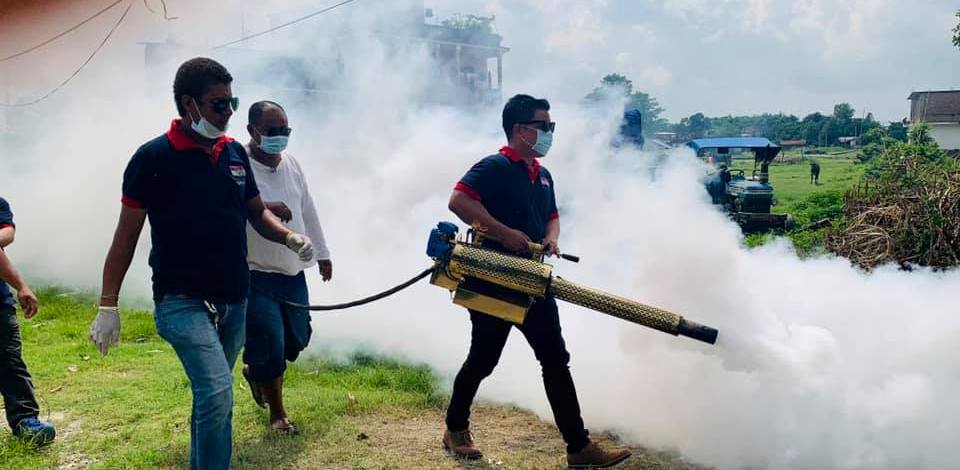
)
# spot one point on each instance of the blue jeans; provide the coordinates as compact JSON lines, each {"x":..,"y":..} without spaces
{"x":272,"y":327}
{"x":208,"y":353}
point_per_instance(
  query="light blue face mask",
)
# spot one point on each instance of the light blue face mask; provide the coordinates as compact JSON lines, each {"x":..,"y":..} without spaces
{"x":544,"y":141}
{"x":205,"y":127}
{"x":274,"y":145}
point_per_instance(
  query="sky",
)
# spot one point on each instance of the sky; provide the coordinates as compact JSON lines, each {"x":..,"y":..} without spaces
{"x":733,"y":56}
{"x":718,"y":57}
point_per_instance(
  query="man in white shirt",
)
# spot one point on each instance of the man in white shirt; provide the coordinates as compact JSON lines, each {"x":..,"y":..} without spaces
{"x":276,"y":332}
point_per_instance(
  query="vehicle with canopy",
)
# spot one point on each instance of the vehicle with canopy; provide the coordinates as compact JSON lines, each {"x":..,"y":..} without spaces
{"x":748,"y":200}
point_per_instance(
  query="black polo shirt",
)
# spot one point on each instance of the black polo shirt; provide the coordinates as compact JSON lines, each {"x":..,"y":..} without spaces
{"x":196,"y":203}
{"x":6,"y":220}
{"x":517,"y":195}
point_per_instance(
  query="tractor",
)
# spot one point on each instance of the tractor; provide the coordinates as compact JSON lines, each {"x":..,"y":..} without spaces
{"x":748,"y":200}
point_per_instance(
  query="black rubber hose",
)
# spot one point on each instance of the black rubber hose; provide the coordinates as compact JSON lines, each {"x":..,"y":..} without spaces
{"x":355,"y":303}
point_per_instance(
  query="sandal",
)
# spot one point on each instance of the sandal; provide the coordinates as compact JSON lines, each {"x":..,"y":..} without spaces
{"x":254,"y":389}
{"x":286,"y":428}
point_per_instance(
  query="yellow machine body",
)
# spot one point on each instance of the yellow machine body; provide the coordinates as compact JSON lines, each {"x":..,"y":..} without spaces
{"x":519,"y":275}
{"x":505,"y":286}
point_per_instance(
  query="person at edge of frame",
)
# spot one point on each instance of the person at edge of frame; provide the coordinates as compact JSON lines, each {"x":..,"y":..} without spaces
{"x":16,"y":385}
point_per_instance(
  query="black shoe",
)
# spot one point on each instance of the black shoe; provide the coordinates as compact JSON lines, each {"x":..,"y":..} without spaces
{"x":35,"y":431}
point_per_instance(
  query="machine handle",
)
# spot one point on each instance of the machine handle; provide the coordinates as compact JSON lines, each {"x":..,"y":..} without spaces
{"x":537,"y":250}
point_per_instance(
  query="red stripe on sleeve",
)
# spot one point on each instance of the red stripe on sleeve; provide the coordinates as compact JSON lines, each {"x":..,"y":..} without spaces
{"x":6,"y":225}
{"x":553,"y":216}
{"x":468,"y":190}
{"x":131,"y":203}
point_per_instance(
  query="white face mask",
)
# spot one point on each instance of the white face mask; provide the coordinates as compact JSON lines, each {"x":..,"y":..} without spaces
{"x":205,"y":127}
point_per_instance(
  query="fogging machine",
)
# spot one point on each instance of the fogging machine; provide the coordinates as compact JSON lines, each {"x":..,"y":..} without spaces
{"x":505,"y":285}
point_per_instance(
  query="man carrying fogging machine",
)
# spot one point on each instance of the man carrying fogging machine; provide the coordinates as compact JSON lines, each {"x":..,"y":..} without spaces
{"x":511,"y":196}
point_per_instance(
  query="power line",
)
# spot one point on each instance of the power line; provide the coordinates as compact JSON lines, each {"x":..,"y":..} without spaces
{"x":165,"y":15}
{"x":68,"y":31}
{"x":77,"y":72}
{"x":289,"y":23}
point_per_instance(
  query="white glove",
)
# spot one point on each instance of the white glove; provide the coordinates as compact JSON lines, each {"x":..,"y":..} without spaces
{"x":301,"y":245}
{"x":105,"y":330}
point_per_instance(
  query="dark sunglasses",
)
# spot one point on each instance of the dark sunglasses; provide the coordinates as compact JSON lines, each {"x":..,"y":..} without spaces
{"x":220,"y":105}
{"x":541,"y":124}
{"x":275,"y":131}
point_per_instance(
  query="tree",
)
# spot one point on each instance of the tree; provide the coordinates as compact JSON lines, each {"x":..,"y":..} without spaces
{"x":778,"y":127}
{"x":843,"y":112}
{"x":694,"y":127}
{"x":459,"y":21}
{"x":844,"y":124}
{"x":897,"y":130}
{"x":612,"y":84}
{"x":698,"y":125}
{"x":811,"y":126}
{"x":956,"y":31}
{"x":824,"y":136}
{"x":920,"y":134}
{"x":816,"y":128}
{"x":615,"y":85}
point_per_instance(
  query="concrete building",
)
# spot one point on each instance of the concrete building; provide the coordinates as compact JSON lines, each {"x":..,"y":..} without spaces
{"x":941,"y":110}
{"x":465,"y":60}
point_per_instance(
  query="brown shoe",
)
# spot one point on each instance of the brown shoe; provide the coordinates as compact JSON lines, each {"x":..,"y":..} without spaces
{"x":594,"y":456}
{"x":461,"y":444}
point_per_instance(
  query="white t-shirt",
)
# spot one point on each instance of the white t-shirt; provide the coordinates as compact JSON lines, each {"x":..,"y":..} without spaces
{"x":286,"y":184}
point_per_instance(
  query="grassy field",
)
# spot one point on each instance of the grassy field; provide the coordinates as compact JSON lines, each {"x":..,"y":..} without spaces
{"x":791,"y":176}
{"x":130,"y":410}
{"x":806,"y":202}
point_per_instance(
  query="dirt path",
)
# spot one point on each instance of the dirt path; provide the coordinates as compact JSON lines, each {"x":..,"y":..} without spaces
{"x":510,"y":438}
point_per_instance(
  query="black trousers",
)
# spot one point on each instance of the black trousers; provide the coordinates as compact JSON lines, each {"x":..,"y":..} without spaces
{"x":15,"y":384}
{"x":542,"y":331}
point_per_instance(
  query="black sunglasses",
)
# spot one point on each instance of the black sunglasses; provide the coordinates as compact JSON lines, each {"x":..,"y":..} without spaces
{"x":220,"y":105}
{"x":544,"y":126}
{"x":276,"y":131}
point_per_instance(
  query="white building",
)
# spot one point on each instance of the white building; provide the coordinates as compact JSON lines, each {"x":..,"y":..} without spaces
{"x":941,"y":110}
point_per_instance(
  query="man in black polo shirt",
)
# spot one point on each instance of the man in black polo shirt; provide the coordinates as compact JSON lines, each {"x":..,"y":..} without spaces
{"x":196,"y":186}
{"x":511,"y":195}
{"x":15,"y":384}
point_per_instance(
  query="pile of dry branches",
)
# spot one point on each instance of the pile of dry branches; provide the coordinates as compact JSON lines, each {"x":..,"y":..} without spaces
{"x":909,"y":214}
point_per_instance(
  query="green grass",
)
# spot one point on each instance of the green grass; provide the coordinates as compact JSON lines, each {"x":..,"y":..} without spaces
{"x":791,"y":181}
{"x":807,"y":203}
{"x":131,"y":409}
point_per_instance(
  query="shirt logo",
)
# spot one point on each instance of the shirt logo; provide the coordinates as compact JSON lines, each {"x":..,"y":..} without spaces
{"x":239,"y":174}
{"x":544,"y":181}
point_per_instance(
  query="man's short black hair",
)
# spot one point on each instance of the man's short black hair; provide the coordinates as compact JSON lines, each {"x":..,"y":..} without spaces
{"x":521,"y":108}
{"x":196,"y":76}
{"x":256,"y":111}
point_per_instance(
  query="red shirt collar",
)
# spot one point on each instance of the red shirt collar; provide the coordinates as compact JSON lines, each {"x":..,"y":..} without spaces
{"x":533,"y":169}
{"x":181,"y":141}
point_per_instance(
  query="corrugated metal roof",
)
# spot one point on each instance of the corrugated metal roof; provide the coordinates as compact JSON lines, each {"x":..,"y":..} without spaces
{"x":935,"y":106}
{"x":732,"y":142}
